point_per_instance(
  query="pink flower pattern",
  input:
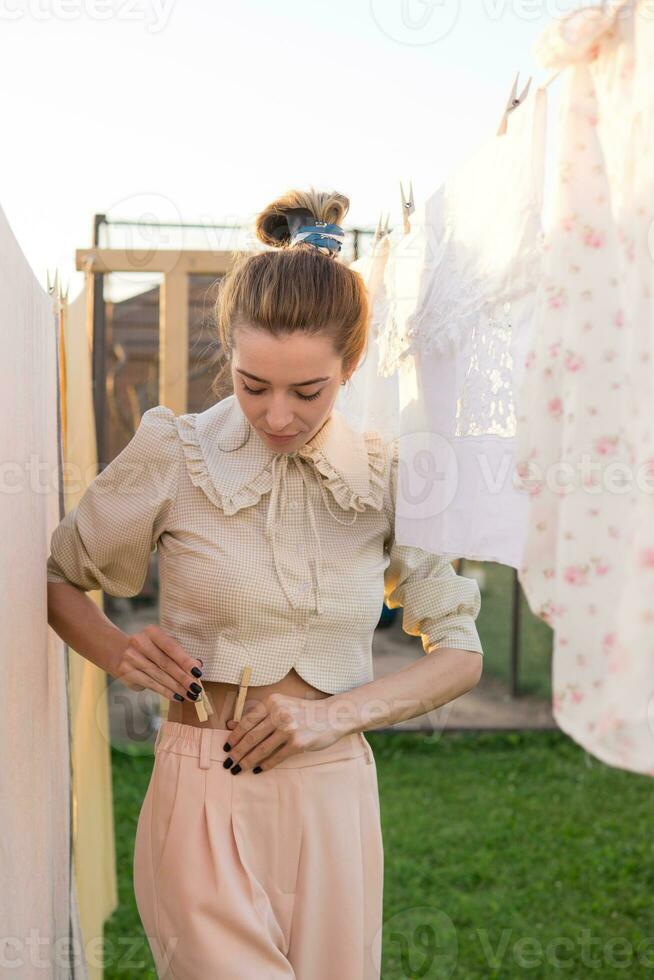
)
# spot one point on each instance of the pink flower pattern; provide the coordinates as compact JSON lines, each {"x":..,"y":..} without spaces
{"x":555,"y":407}
{"x":592,"y":238}
{"x":647,"y":558}
{"x":574,"y":361}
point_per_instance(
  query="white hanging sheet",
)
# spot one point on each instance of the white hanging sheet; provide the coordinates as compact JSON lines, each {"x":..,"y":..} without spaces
{"x":370,"y":401}
{"x":460,"y":302}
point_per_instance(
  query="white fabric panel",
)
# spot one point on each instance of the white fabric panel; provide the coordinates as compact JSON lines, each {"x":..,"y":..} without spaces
{"x":370,"y":401}
{"x":461,"y":290}
{"x":35,"y":817}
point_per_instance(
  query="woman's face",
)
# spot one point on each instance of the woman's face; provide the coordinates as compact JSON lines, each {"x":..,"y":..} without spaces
{"x":286,"y":385}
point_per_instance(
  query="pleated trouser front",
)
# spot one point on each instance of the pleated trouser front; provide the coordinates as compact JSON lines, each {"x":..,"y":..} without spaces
{"x":272,"y":875}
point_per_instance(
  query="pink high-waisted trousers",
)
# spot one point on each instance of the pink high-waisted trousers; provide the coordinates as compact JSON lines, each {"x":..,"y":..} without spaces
{"x":260,"y":876}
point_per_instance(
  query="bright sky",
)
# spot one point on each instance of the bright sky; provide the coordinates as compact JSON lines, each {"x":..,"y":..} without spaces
{"x":205,"y":111}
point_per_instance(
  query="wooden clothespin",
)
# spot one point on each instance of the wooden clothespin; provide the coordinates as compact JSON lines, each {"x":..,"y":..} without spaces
{"x":383,"y":228}
{"x":551,"y":77}
{"x":408,"y":207}
{"x":203,"y":706}
{"x":513,"y":102}
{"x":242,"y":691}
{"x":53,"y":287}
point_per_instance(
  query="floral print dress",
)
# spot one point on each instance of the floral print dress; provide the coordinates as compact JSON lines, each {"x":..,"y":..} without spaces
{"x":586,"y":423}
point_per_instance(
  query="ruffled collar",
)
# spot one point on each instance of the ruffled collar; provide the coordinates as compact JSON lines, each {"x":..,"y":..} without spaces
{"x":234,"y":467}
{"x":228,"y":460}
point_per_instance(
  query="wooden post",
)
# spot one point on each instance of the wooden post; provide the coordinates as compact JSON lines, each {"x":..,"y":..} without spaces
{"x":173,"y":341}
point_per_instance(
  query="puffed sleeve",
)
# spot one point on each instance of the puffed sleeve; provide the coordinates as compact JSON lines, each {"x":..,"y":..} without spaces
{"x":105,"y":542}
{"x":439,"y":605}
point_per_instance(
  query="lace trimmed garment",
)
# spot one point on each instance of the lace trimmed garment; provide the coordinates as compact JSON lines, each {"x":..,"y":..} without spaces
{"x":371,"y":400}
{"x":585,"y":431}
{"x":461,"y":289}
{"x":272,"y":559}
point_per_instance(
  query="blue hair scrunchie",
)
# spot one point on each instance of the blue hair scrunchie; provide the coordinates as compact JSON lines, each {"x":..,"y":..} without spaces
{"x":327,"y":238}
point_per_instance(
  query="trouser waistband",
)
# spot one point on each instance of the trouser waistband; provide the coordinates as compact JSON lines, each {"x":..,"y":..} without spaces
{"x":206,"y":744}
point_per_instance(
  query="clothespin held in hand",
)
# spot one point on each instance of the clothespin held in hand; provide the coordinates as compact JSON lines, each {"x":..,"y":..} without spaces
{"x":513,"y":101}
{"x":200,"y":706}
{"x":203,"y":706}
{"x":408,"y":207}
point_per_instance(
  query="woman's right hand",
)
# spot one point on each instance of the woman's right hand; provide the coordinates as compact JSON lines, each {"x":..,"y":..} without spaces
{"x":153,"y":659}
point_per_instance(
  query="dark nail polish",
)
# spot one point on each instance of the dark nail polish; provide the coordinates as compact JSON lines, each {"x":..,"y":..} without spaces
{"x":227,"y":763}
{"x":257,"y":769}
{"x":227,"y":747}
{"x":192,"y":696}
{"x":178,"y":697}
{"x":195,"y":687}
{"x":235,"y":769}
{"x":196,"y":671}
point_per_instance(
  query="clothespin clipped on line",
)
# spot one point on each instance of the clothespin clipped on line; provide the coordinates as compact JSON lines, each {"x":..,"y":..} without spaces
{"x":513,"y":102}
{"x":383,"y":228}
{"x":242,"y":691}
{"x":551,"y":78}
{"x":408,"y":207}
{"x":55,"y":287}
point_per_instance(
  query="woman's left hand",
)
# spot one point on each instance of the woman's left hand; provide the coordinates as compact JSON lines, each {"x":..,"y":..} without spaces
{"x":278,"y":726}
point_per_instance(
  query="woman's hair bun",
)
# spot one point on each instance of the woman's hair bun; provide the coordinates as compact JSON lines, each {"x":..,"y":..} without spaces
{"x":272,"y":224}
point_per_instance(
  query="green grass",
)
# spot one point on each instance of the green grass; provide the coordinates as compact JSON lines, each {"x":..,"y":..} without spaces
{"x":494,"y":624}
{"x":127,"y":954}
{"x":501,"y":852}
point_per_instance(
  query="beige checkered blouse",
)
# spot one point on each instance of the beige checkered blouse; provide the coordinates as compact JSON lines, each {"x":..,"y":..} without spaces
{"x":273,"y":559}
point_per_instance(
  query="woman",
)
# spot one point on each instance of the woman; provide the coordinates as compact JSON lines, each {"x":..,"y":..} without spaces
{"x":259,"y":850}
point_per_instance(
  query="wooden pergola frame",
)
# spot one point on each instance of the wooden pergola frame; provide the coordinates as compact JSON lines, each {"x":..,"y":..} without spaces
{"x":175,"y":265}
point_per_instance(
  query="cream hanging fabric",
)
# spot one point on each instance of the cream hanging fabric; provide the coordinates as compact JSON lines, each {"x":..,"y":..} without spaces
{"x":38,"y":905}
{"x":370,"y":401}
{"x":461,"y":292}
{"x":585,"y":432}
